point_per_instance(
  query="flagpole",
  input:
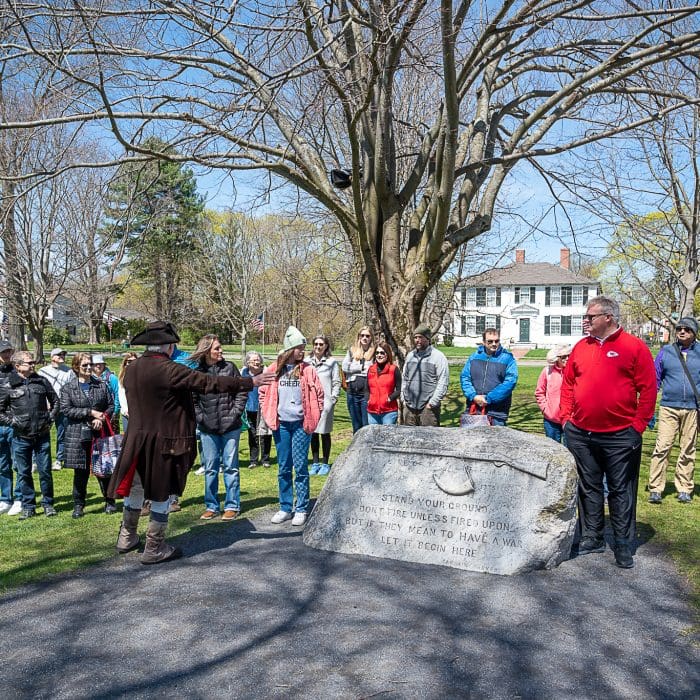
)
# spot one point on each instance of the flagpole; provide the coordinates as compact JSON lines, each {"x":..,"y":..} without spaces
{"x":263,"y":336}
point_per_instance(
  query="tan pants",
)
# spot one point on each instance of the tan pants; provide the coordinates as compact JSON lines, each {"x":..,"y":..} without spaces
{"x":674,"y":421}
{"x":428,"y":416}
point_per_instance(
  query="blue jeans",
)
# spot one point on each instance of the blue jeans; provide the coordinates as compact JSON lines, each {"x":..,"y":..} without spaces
{"x":61,"y":423}
{"x":357,"y":408}
{"x":382,"y":418}
{"x":498,"y":421}
{"x":292,"y":451}
{"x":553,"y":430}
{"x":22,"y":451}
{"x":221,"y":450}
{"x":6,"y":464}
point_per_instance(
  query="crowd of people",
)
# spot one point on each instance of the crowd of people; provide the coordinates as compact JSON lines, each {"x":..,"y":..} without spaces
{"x":596,"y":397}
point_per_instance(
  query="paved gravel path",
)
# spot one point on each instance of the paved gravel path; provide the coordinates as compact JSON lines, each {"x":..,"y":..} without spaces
{"x":251,"y":612}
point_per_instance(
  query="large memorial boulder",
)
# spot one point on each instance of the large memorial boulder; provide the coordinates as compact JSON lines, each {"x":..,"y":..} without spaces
{"x":488,"y":499}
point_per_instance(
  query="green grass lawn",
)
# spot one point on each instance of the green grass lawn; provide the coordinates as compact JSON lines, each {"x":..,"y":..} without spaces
{"x":34,"y":549}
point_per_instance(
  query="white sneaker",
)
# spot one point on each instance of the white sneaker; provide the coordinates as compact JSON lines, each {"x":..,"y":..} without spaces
{"x":200,"y":471}
{"x":299,"y":519}
{"x":4,"y":507}
{"x":280,"y":516}
{"x":56,"y":467}
{"x":34,"y":467}
{"x":16,"y":508}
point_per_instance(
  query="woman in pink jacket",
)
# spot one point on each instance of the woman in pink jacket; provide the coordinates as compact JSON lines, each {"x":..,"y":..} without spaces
{"x":548,"y":391}
{"x":291,"y":406}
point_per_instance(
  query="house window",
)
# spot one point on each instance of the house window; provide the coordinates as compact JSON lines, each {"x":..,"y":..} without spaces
{"x":566,"y":296}
{"x":577,"y":299}
{"x":471,"y":326}
{"x":566,"y":325}
{"x":493,"y":322}
{"x":556,"y":296}
{"x":493,"y":296}
{"x":577,"y":325}
{"x":471,"y":297}
{"x":480,"y":325}
{"x":524,"y":295}
{"x":555,"y":325}
{"x":481,"y":296}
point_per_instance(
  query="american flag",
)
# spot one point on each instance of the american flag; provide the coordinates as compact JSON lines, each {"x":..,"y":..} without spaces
{"x":258,"y":322}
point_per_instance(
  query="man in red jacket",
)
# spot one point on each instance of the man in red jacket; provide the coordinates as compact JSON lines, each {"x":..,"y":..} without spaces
{"x":608,"y":397}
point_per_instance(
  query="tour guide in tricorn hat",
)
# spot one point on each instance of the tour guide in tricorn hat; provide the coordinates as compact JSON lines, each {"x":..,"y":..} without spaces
{"x":159,"y":447}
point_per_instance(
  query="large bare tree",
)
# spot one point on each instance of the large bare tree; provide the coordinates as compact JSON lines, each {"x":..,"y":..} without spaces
{"x":421,"y":108}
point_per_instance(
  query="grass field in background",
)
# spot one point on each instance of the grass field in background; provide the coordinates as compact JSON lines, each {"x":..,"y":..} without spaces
{"x":32,"y":550}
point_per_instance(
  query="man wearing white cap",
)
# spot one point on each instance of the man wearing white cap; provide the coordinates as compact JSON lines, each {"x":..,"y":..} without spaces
{"x":58,"y":373}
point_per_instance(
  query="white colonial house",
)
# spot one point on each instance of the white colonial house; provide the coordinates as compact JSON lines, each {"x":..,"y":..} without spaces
{"x":533,"y":304}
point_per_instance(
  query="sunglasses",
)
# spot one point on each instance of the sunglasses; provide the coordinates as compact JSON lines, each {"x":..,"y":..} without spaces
{"x":86,"y":364}
{"x":684,"y":329}
{"x":590,"y":317}
{"x":492,"y":342}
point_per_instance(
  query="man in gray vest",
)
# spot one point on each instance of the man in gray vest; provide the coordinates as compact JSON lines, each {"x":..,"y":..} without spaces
{"x":426,"y":376}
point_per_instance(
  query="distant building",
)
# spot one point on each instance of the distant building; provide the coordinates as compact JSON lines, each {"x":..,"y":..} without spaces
{"x":533,"y":304}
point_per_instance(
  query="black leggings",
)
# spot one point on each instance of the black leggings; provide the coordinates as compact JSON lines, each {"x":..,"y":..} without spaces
{"x":326,"y":444}
{"x":80,"y":480}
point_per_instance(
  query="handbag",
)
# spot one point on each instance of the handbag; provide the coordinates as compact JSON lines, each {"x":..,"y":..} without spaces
{"x":472,"y":419}
{"x":86,"y":434}
{"x":105,"y":452}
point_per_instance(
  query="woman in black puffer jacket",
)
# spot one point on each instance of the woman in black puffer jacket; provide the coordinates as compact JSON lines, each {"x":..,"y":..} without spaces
{"x":219,"y":422}
{"x":85,"y":401}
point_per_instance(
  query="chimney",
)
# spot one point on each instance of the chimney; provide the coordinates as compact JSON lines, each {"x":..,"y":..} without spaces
{"x":565,"y":258}
{"x":520,"y":256}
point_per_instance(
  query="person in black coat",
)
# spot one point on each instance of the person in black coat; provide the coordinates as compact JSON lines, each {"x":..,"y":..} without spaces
{"x":87,"y":404}
{"x":28,"y":405}
{"x":219,"y":421}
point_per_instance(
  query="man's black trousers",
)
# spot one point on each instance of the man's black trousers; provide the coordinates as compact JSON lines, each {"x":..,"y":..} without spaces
{"x":616,"y":455}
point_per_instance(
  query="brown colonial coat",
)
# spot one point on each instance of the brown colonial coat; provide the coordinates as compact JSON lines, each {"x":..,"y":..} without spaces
{"x":160,"y":441}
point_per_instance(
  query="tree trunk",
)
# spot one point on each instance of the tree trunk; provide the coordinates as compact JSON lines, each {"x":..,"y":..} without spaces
{"x":13,"y":285}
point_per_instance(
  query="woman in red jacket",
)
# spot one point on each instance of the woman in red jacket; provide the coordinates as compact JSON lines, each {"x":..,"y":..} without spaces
{"x":384,"y":383}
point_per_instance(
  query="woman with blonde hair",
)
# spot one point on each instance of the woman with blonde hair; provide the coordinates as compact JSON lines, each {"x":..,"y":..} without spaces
{"x":291,"y":405}
{"x":355,"y":366}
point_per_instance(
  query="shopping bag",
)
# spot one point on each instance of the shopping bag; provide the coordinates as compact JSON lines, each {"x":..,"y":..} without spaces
{"x":472,"y":419}
{"x":105,"y":451}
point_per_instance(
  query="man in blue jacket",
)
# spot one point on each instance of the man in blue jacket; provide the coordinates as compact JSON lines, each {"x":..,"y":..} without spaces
{"x":678,"y":413}
{"x":489,"y":377}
